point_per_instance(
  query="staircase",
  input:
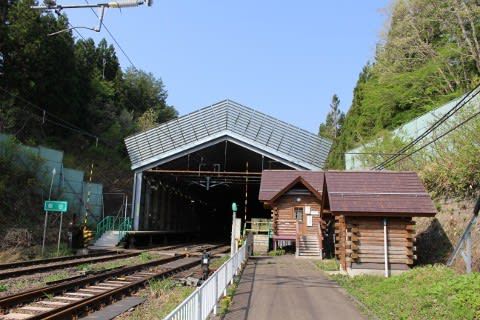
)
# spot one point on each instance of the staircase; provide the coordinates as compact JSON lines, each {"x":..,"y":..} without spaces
{"x":309,"y":247}
{"x":110,"y":231}
{"x":109,"y":239}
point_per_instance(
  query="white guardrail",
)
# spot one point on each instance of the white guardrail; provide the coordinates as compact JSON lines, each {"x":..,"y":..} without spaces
{"x":203,"y":300}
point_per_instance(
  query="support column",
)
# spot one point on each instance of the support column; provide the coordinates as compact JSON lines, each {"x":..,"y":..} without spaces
{"x":163,"y":209}
{"x":155,"y":217}
{"x":137,"y":196}
{"x":147,"y":212}
{"x":168,"y":210}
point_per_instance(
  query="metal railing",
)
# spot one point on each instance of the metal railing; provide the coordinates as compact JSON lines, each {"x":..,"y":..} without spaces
{"x":113,"y":223}
{"x":204,"y":299}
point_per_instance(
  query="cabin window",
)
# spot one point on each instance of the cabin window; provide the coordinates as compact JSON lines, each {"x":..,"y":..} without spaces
{"x":298,"y":213}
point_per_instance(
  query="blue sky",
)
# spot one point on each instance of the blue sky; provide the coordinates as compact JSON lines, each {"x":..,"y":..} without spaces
{"x":284,"y":58}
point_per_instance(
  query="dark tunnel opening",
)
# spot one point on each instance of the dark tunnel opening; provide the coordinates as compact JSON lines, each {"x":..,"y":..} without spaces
{"x":194,"y":193}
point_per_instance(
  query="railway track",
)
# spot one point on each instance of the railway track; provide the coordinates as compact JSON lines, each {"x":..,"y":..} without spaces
{"x":71,"y":299}
{"x":16,"y":269}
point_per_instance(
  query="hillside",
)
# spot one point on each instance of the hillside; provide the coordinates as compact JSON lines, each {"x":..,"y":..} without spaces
{"x":428,"y":55}
{"x":70,"y":93}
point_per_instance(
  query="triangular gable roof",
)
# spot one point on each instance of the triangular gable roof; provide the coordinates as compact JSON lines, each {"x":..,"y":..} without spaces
{"x":274,"y":183}
{"x":377,"y":193}
{"x":228,"y":120}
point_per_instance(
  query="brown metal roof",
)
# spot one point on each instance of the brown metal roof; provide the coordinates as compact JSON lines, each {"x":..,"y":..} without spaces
{"x":378,"y":193}
{"x":275,"y":182}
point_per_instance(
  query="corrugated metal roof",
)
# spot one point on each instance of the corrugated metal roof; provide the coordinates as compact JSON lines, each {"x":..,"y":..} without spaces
{"x":275,"y":181}
{"x":229,"y":119}
{"x":378,"y":192}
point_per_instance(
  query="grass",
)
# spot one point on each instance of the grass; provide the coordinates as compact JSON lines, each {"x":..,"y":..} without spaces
{"x":56,"y":276}
{"x":431,"y":292}
{"x":163,"y":296}
{"x":327,"y":265}
{"x":3,"y":287}
{"x":217,"y":263}
{"x":225,"y":302}
{"x":275,"y":253}
{"x":33,"y":252}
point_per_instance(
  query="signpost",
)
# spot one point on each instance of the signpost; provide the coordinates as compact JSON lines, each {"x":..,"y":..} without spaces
{"x":46,"y":212}
{"x":234,"y":218}
{"x":54,"y":206}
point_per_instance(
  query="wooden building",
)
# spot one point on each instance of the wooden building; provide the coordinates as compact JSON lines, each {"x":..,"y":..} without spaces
{"x":374,"y":230}
{"x":294,"y":198}
{"x":363,"y":217}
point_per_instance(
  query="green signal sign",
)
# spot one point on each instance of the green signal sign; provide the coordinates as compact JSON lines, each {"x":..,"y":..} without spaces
{"x":55,"y":206}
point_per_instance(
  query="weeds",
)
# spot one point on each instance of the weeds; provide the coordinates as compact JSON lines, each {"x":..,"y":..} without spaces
{"x":327,"y":265}
{"x":276,"y":253}
{"x":430,"y":292}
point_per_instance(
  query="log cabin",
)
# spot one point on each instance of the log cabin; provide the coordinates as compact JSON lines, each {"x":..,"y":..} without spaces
{"x":373,"y":210}
{"x":294,"y":198}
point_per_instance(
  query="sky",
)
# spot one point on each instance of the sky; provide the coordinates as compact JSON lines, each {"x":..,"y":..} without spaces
{"x":284,"y":58}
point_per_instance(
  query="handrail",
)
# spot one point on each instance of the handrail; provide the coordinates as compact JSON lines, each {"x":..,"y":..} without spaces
{"x":297,"y":243}
{"x":113,"y":223}
{"x":201,"y":302}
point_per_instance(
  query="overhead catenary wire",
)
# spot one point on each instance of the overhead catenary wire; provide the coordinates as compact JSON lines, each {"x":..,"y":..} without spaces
{"x":113,"y":38}
{"x":460,"y":104}
{"x":437,"y":138}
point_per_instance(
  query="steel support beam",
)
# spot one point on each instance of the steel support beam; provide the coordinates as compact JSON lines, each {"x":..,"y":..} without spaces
{"x":137,"y":197}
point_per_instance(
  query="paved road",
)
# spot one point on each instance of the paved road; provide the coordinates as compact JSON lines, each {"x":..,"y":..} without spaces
{"x":284,"y":288}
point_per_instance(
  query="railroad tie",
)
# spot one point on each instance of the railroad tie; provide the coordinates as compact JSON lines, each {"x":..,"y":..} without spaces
{"x":16,"y":316}
{"x":102,"y":287}
{"x":87,"y":290}
{"x":37,"y":309}
{"x":79,"y":294}
{"x":118,"y":282}
{"x":67,"y":298}
{"x":54,"y":303}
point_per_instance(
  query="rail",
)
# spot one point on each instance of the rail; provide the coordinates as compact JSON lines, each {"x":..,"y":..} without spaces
{"x":203,"y":300}
{"x":297,"y":239}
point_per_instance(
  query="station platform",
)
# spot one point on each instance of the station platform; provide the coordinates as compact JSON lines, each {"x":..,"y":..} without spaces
{"x":284,"y":288}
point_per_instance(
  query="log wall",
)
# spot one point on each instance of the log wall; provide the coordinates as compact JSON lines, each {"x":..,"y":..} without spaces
{"x":360,"y":242}
{"x":284,"y":223}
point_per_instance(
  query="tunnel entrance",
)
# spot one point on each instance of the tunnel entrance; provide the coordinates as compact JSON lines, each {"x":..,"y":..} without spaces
{"x":188,"y":171}
{"x":201,"y":187}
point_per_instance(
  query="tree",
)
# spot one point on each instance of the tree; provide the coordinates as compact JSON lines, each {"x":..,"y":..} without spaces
{"x":331,"y":128}
{"x":142,"y":91}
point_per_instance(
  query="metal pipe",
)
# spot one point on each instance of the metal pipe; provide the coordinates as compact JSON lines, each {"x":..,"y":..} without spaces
{"x":220,"y":173}
{"x":385,"y":245}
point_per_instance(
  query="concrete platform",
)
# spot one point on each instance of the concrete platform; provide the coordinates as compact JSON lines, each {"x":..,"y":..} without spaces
{"x":284,"y":288}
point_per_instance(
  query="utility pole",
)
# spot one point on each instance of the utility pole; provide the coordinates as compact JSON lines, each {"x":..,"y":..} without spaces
{"x":54,"y":171}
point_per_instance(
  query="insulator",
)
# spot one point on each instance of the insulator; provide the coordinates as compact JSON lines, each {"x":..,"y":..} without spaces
{"x":125,"y":3}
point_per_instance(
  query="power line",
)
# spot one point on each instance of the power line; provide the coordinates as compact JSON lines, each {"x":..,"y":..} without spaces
{"x":113,"y":38}
{"x":460,"y":104}
{"x":438,"y":138}
{"x":63,"y":123}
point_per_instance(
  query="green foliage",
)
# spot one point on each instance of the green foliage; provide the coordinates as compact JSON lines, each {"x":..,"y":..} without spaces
{"x":431,"y":292}
{"x":20,"y":181}
{"x":328,"y":265}
{"x":78,"y":81}
{"x":145,"y":257}
{"x":276,"y":253}
{"x":332,"y":126}
{"x":3,"y":287}
{"x":423,"y":61}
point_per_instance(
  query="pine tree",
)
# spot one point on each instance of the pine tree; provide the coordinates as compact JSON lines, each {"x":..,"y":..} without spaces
{"x":333,"y":123}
